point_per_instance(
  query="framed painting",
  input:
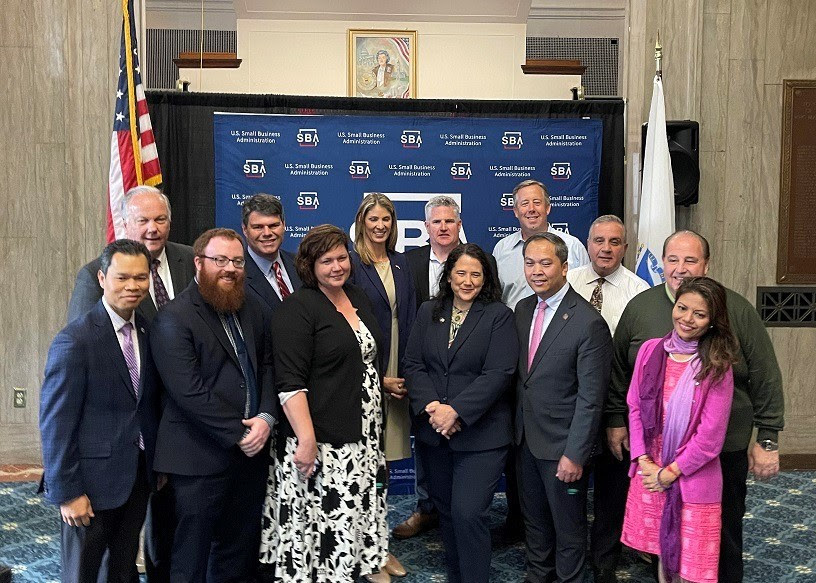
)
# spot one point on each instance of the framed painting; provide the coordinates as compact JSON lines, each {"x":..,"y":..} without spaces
{"x":382,"y":63}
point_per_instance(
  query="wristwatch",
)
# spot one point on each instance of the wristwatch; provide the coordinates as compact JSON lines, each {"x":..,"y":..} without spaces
{"x":768,"y":445}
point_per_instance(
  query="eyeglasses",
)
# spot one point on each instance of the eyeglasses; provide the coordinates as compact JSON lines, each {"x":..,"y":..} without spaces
{"x":222,"y":261}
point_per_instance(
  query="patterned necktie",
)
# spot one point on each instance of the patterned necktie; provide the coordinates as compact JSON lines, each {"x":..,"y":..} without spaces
{"x":132,"y":364}
{"x":159,"y":291}
{"x":597,"y":295}
{"x":535,"y":339}
{"x":284,"y":290}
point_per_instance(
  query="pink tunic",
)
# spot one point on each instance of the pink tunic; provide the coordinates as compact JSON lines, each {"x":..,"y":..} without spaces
{"x":700,"y":523}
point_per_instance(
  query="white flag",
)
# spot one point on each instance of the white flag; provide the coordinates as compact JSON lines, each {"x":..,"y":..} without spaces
{"x":656,"y":221}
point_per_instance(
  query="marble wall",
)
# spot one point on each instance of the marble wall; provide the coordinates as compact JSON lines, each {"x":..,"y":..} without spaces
{"x":741,"y":51}
{"x":58,"y":63}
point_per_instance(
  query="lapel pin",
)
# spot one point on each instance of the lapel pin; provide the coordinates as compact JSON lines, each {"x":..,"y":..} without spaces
{"x":441,"y":319}
{"x":565,"y":316}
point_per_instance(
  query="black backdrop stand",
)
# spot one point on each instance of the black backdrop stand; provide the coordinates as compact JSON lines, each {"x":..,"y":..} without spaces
{"x":183,"y":126}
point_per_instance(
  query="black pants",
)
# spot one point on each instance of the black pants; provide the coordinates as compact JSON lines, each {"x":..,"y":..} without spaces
{"x":735,"y":473}
{"x":512,"y":477}
{"x":218,"y":528}
{"x":556,"y":521}
{"x":113,"y":533}
{"x":160,"y":527}
{"x":462,"y":484}
{"x":611,"y":488}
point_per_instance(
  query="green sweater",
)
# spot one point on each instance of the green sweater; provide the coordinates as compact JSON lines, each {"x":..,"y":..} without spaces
{"x":758,"y":398}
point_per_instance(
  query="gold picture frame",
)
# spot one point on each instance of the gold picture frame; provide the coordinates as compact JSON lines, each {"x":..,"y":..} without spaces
{"x":382,"y":63}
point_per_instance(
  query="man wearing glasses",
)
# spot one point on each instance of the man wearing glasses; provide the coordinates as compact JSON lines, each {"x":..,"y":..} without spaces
{"x":213,"y":351}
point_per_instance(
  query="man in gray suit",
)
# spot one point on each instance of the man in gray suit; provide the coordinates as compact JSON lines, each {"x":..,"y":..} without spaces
{"x":147,"y":216}
{"x":563,"y":375}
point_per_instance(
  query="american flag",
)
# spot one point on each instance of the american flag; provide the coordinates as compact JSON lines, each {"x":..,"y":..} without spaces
{"x":134,"y":158}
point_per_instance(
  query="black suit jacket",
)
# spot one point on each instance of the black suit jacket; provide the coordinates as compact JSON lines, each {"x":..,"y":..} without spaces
{"x":87,"y":291}
{"x":473,"y":376}
{"x":419,"y":260}
{"x":559,"y":402}
{"x":257,"y":284}
{"x":366,"y":277}
{"x":201,"y":424}
{"x":90,"y":416}
{"x":317,"y":350}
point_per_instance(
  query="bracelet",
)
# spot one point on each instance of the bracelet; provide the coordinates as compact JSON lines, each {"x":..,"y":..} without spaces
{"x":659,"y":481}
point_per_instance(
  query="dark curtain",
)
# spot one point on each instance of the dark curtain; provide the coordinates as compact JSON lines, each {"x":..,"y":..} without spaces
{"x":183,"y":125}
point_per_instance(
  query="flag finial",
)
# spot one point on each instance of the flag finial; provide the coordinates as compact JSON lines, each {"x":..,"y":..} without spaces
{"x":658,"y":55}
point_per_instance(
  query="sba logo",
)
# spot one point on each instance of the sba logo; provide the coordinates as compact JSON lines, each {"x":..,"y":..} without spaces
{"x":512,"y":141}
{"x":307,"y":138}
{"x":460,"y":171}
{"x":359,"y":169}
{"x":562,"y":227}
{"x":507,"y":202}
{"x":254,"y":169}
{"x":308,"y":201}
{"x":560,"y":171}
{"x":411,"y":139}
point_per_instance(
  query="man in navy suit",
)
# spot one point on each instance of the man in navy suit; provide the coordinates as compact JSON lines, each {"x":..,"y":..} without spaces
{"x":98,"y":419}
{"x":270,"y":271}
{"x":563,"y":374}
{"x":212,"y":348}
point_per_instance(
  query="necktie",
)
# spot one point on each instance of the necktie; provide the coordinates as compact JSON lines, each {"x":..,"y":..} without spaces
{"x":284,"y":290}
{"x":597,"y":295}
{"x":251,"y":408}
{"x":159,"y":291}
{"x":535,"y":338}
{"x":132,"y":364}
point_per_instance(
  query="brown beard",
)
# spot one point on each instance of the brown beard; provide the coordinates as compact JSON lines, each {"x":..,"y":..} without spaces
{"x":225,"y":301}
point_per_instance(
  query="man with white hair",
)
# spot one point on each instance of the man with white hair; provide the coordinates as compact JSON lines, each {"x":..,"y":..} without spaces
{"x":147,"y":216}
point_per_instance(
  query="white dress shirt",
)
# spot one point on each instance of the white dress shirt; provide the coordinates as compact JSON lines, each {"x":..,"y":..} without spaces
{"x":118,"y":322}
{"x":619,"y":287}
{"x":164,"y":272}
{"x":435,"y":268}
{"x":510,"y":260}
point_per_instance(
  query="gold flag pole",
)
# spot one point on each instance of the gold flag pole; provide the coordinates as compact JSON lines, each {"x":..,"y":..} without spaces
{"x":658,"y":55}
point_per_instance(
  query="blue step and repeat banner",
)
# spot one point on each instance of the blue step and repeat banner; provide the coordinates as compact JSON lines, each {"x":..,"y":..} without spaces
{"x":321,"y":167}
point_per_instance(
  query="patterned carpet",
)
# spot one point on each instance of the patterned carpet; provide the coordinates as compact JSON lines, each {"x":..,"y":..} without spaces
{"x":780,"y":537}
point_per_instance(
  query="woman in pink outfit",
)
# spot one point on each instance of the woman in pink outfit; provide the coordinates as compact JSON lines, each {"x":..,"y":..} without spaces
{"x":679,"y":403}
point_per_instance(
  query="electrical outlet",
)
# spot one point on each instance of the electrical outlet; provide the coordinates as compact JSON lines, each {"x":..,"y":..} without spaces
{"x":19,"y":398}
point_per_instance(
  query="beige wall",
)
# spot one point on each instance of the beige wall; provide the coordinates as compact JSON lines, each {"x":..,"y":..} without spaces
{"x":724,"y":63}
{"x":455,"y":60}
{"x":57,"y":65}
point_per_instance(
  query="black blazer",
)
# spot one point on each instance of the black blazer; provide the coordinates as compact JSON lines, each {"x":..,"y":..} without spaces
{"x":366,"y":278}
{"x":317,"y":350}
{"x":202,"y":418}
{"x":473,"y":376}
{"x":559,"y":402}
{"x":87,"y":291}
{"x":90,"y":417}
{"x":257,"y":284}
{"x":419,"y":259}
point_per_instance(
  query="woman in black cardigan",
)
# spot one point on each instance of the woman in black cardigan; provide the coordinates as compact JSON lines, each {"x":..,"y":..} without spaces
{"x":328,"y":504}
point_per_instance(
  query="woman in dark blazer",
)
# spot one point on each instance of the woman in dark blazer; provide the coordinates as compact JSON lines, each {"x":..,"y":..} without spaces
{"x":385,"y":277}
{"x":459,"y":363}
{"x":326,"y":511}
